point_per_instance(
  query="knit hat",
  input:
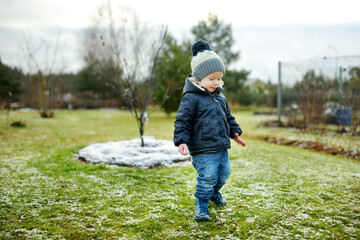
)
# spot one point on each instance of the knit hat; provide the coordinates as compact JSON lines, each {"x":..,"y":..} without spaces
{"x":205,"y":60}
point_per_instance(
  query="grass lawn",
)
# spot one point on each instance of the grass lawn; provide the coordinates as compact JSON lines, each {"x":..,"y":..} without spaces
{"x":274,"y":192}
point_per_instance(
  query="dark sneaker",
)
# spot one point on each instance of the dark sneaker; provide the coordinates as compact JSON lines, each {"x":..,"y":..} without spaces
{"x":201,"y":211}
{"x":217,"y":199}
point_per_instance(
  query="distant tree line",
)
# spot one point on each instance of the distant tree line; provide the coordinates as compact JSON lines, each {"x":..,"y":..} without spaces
{"x":92,"y":86}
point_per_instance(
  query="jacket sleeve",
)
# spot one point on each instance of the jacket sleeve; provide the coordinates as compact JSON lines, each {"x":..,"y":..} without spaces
{"x":184,"y":120}
{"x":234,"y":127}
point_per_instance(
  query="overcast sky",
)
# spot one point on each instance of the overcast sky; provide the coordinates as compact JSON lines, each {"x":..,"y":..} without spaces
{"x":265,"y":31}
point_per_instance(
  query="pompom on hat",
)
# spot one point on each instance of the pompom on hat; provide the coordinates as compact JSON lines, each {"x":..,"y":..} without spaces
{"x":204,"y":60}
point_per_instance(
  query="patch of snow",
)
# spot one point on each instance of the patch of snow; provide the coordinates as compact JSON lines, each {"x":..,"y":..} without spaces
{"x":356,"y":175}
{"x":155,"y":153}
{"x":27,"y":110}
{"x":250,"y":219}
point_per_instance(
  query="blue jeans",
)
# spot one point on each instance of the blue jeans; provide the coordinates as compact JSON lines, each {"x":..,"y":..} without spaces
{"x":213,"y":170}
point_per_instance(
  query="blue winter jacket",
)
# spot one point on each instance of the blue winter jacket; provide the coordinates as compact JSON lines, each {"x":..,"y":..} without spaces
{"x":204,"y":121}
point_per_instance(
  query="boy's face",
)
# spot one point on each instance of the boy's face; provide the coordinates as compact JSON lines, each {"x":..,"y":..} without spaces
{"x":212,"y":81}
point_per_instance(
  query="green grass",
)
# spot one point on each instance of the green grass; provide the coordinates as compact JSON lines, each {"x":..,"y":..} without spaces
{"x":274,"y":192}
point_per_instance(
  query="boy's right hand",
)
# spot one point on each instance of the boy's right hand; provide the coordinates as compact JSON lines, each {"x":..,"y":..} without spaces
{"x":183,"y":149}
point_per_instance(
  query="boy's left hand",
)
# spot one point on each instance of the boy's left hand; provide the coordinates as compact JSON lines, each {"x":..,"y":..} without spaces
{"x":239,"y":140}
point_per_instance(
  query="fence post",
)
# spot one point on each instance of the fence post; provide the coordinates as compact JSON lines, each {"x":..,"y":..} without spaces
{"x":340,"y":85}
{"x":279,"y":94}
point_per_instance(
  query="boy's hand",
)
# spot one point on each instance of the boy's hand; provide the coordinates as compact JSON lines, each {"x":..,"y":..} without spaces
{"x":239,"y":140}
{"x":183,"y":149}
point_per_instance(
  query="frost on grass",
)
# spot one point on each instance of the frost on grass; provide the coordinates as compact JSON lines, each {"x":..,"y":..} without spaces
{"x":155,"y":153}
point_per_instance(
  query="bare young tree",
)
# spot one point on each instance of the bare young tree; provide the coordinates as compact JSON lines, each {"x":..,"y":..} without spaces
{"x":134,"y":49}
{"x":311,"y":98}
{"x":45,"y":71}
{"x":351,"y":99}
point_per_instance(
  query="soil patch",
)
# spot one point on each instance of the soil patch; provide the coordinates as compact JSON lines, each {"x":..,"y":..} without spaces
{"x":313,"y":146}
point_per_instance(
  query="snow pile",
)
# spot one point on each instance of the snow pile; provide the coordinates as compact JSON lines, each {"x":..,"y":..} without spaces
{"x":155,"y":153}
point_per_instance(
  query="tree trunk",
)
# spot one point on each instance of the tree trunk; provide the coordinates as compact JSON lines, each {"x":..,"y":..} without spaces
{"x":142,"y":132}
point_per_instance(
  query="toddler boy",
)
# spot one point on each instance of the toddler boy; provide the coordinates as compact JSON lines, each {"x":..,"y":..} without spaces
{"x":204,"y":126}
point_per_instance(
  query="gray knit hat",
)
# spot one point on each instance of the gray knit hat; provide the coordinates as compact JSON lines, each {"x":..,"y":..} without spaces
{"x":205,"y":60}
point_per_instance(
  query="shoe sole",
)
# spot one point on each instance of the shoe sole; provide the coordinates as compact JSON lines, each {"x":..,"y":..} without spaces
{"x":202,"y":219}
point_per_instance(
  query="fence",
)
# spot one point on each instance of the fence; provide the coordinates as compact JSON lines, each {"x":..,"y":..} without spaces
{"x":320,"y":91}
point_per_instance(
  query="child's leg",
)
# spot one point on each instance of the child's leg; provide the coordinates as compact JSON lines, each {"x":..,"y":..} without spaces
{"x":223,"y":175}
{"x":224,"y":171}
{"x":207,"y":167}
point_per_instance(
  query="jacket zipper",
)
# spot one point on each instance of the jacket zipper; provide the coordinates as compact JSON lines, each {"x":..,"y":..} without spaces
{"x":217,"y":109}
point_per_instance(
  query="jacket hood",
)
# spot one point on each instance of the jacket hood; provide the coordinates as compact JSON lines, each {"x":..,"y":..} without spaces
{"x":192,"y":86}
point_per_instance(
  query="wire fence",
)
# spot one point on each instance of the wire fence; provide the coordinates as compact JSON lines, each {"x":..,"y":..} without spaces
{"x":320,"y":91}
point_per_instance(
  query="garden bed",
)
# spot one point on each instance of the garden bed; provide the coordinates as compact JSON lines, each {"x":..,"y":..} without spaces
{"x":313,"y":146}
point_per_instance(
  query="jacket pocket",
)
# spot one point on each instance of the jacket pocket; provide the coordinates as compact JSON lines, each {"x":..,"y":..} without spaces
{"x":208,"y":133}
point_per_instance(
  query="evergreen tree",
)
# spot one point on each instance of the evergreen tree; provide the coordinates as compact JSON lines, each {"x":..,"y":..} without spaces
{"x":89,"y":83}
{"x":172,"y":68}
{"x":219,"y":35}
{"x":10,"y":82}
{"x":234,"y":85}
